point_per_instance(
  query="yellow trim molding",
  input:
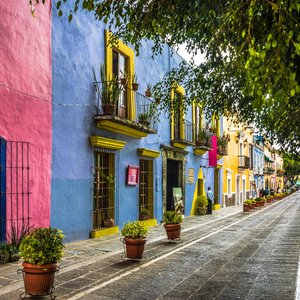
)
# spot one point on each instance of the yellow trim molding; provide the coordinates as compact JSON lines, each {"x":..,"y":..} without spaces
{"x":200,"y":151}
{"x":148,"y":152}
{"x":178,"y":145}
{"x":104,"y":232}
{"x":217,"y":206}
{"x":99,"y":141}
{"x":150,"y":222}
{"x":180,"y":91}
{"x":129,"y":54}
{"x":200,"y":176}
{"x":119,"y":128}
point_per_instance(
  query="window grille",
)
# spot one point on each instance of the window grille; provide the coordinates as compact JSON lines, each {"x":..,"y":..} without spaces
{"x":14,"y":188}
{"x":104,"y":190}
{"x":146,"y":186}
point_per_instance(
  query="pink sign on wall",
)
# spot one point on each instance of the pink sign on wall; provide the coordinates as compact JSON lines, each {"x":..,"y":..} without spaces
{"x":212,"y":154}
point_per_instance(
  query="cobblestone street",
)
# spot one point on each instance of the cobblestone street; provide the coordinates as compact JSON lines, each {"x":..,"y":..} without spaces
{"x":229,"y":255}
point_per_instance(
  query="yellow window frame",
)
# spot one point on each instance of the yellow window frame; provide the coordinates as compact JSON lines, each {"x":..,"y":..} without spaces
{"x":216,"y":124}
{"x":179,"y":90}
{"x":129,"y":54}
{"x":150,"y":183}
{"x":194,"y":107}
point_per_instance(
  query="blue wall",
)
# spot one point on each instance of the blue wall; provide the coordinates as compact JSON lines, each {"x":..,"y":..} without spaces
{"x":77,"y":48}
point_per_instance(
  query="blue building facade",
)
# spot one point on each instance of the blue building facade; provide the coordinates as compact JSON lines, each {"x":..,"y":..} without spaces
{"x":110,"y":167}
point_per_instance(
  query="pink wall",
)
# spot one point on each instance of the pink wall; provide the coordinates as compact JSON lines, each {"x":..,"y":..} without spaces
{"x":25,"y":96}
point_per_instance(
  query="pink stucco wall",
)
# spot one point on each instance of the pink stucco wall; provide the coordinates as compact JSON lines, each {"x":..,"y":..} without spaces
{"x":25,"y":95}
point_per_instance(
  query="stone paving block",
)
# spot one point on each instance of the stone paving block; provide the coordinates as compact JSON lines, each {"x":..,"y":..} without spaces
{"x":67,"y":276}
{"x":77,"y":283}
{"x":4,"y":281}
{"x":206,"y":293}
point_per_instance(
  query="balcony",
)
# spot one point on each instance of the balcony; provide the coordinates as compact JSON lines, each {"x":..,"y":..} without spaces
{"x":124,"y":111}
{"x":280,"y":172}
{"x":244,"y":162}
{"x":183,"y":134}
{"x":203,"y":141}
{"x":269,"y":170}
{"x":222,"y":146}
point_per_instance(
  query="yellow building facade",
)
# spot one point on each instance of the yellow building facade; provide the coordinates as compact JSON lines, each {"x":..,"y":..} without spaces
{"x":238,"y":181}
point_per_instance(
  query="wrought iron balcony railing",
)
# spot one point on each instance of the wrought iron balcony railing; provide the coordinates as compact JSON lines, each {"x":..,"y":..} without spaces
{"x":244,"y":162}
{"x":203,"y":138}
{"x":269,"y":170}
{"x":115,"y":99}
{"x":222,"y":145}
{"x":187,"y":135}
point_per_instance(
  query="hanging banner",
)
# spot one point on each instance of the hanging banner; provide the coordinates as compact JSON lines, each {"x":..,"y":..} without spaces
{"x":212,"y":154}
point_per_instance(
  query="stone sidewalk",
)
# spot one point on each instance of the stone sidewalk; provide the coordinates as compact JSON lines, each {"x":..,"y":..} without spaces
{"x":85,"y":252}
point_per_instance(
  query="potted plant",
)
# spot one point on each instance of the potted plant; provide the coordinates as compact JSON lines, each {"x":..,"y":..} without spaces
{"x":253,"y":204}
{"x":109,"y":91}
{"x":41,"y":250}
{"x":134,"y":84}
{"x":257,"y":202}
{"x":148,"y":90}
{"x":172,"y":220}
{"x":269,"y":199}
{"x":134,"y":233}
{"x":247,"y":205}
{"x":201,"y":203}
{"x":144,"y":119}
{"x":261,"y":200}
{"x":124,"y":79}
{"x":144,"y":214}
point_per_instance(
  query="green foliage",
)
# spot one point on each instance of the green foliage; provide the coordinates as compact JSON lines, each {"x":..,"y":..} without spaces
{"x":42,"y":246}
{"x":108,"y":90}
{"x":201,"y":201}
{"x":144,"y":211}
{"x":4,"y":253}
{"x":135,"y":230}
{"x":260,"y":199}
{"x":18,"y":233}
{"x":269,"y":197}
{"x":248,"y":202}
{"x":172,"y":217}
{"x":251,"y":48}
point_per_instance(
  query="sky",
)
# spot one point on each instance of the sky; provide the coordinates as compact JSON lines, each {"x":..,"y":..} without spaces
{"x":182,"y":51}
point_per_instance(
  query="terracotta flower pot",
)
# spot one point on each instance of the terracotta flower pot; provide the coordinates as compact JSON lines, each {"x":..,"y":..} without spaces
{"x":173,"y":231}
{"x":135,"y":86}
{"x":134,"y":248}
{"x":39,"y":279}
{"x":109,"y":109}
{"x":246,"y":208}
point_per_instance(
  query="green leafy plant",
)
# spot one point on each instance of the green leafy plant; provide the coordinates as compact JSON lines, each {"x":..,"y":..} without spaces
{"x":269,"y":197}
{"x":18,"y":233}
{"x":144,"y":211}
{"x":134,"y":230}
{"x":42,"y":246}
{"x":4,"y":253}
{"x":172,"y":217}
{"x":109,"y":90}
{"x":202,"y":201}
{"x":260,"y":199}
{"x":144,"y":117}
